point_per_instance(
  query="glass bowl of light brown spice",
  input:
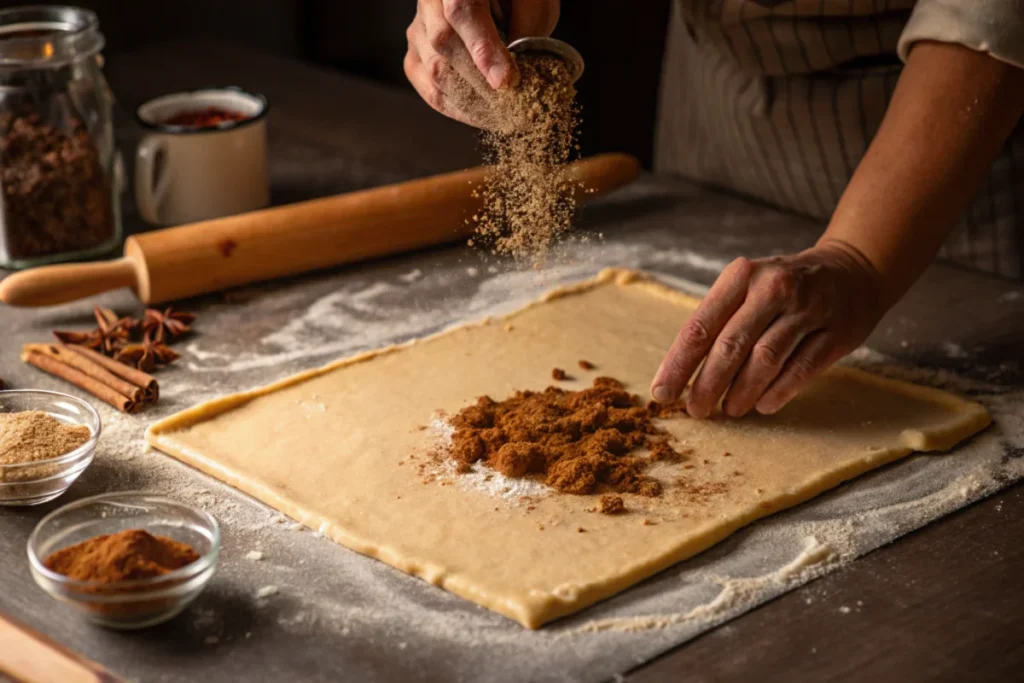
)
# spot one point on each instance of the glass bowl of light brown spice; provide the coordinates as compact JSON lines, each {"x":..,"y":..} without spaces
{"x":125,"y":560}
{"x":47,"y":439}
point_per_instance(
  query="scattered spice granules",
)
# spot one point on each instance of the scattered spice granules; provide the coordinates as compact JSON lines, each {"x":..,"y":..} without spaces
{"x":611,"y":505}
{"x":558,"y":374}
{"x":529,"y":197}
{"x":578,"y":441}
{"x":32,"y":436}
{"x":700,"y":493}
{"x":127,"y":555}
{"x":586,"y":365}
{"x":662,"y":452}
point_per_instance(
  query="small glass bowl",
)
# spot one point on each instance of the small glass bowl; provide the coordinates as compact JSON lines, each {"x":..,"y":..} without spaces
{"x":32,"y":483}
{"x":136,"y":603}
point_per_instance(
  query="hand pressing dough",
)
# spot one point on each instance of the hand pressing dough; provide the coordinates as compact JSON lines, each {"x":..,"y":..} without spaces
{"x":337,"y":449}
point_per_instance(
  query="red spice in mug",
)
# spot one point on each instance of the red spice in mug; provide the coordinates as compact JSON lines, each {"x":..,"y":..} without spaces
{"x":204,"y":118}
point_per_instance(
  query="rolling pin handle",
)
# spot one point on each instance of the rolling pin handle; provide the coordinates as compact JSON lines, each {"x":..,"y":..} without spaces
{"x":59,"y":284}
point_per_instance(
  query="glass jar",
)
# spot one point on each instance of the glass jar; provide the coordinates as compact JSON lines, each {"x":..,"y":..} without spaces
{"x":58,"y":190}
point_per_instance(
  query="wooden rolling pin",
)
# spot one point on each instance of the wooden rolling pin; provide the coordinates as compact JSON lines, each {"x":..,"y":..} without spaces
{"x":187,"y":260}
{"x":27,"y":656}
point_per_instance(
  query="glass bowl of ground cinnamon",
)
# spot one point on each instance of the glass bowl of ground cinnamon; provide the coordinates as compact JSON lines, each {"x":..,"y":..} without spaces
{"x":47,"y":439}
{"x":125,"y":560}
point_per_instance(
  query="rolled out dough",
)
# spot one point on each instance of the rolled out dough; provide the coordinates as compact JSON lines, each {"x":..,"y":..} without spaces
{"x":338,"y":449}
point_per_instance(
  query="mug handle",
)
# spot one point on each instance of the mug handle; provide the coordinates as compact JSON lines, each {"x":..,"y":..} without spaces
{"x":149,"y":189}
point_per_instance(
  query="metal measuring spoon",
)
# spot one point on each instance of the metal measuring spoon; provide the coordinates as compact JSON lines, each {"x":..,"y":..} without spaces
{"x":552,"y":46}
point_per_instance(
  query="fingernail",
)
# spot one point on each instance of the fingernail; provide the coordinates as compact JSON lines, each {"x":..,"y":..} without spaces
{"x":661,"y":394}
{"x":766,"y":408}
{"x":497,"y":76}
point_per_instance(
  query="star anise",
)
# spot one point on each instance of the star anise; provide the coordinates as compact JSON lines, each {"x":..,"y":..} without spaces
{"x":111,"y":334}
{"x":92,"y":340}
{"x":167,"y":325}
{"x":114,"y":332}
{"x":147,"y":354}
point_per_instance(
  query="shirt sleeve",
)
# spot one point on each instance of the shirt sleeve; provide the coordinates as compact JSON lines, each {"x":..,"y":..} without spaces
{"x":995,"y":27}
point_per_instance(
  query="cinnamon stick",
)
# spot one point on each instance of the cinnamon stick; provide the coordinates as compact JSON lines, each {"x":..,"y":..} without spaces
{"x":81,"y":380}
{"x":94,"y":370}
{"x":143,"y":380}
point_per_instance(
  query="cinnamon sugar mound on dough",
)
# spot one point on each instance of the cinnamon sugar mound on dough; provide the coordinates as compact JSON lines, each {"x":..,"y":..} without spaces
{"x":580,"y":442}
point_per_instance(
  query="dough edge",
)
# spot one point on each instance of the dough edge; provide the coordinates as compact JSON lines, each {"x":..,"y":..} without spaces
{"x":541,"y":608}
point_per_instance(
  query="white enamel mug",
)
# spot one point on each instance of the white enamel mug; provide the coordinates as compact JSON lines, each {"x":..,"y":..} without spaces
{"x":185,"y":174}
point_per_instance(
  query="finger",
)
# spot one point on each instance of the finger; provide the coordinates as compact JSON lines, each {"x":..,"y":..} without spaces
{"x":424,"y":83}
{"x":765,"y":362}
{"x":815,"y":353}
{"x":532,"y":19}
{"x":440,"y":42}
{"x":472,"y":21}
{"x":728,"y":352}
{"x":698,"y":333}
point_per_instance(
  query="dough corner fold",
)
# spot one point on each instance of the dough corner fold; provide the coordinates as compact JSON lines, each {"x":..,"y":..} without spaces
{"x":336,"y":449}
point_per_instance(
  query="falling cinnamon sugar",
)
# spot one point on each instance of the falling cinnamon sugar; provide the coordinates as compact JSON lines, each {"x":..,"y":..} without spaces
{"x":528,"y":198}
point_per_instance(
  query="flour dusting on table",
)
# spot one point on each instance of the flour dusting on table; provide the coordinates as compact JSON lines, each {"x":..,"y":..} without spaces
{"x":328,"y":592}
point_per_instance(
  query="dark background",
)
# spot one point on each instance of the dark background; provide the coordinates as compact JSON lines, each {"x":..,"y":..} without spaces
{"x":621,"y":41}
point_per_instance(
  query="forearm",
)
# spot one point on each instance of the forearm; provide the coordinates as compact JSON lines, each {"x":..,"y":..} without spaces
{"x":951,"y":112}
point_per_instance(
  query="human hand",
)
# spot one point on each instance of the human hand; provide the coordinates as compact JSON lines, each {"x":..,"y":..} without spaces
{"x":456,"y":59}
{"x":767,"y":327}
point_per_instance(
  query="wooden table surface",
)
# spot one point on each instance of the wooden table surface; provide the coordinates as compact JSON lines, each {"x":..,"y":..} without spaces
{"x":942,"y":603}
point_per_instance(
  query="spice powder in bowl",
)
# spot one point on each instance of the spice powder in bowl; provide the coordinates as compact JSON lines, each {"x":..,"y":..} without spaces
{"x":125,"y":560}
{"x":125,"y":556}
{"x":125,"y":579}
{"x":47,"y":439}
{"x":32,"y":436}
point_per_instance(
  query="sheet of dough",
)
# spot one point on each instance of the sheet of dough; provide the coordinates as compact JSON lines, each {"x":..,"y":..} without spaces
{"x":332,"y":448}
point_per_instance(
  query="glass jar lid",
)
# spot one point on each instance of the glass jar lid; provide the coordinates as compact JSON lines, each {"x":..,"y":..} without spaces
{"x":47,"y":35}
